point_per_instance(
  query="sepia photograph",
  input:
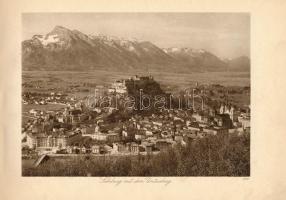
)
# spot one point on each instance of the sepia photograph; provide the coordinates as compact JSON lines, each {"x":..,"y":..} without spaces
{"x":135,"y":94}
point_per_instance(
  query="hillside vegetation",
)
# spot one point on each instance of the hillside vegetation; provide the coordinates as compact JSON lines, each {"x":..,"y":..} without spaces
{"x":223,"y":155}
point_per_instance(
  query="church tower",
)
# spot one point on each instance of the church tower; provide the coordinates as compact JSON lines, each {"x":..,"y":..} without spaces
{"x":221,"y":110}
{"x":231,"y":113}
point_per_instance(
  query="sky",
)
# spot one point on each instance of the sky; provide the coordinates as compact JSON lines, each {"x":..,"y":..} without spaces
{"x":227,"y":35}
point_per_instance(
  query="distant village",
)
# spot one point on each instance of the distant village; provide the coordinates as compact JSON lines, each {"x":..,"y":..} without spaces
{"x":80,"y":129}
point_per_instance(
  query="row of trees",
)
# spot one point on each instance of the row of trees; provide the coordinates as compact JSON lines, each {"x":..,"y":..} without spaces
{"x":224,"y":155}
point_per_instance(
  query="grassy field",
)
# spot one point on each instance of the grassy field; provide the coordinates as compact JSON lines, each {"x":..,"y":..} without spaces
{"x":81,"y":84}
{"x":170,"y":81}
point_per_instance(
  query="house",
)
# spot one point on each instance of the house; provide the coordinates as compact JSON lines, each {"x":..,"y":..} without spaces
{"x":83,"y":149}
{"x":99,"y":136}
{"x":114,"y":148}
{"x":55,"y":140}
{"x":89,"y":130}
{"x":122,"y":148}
{"x":151,"y":140}
{"x":158,"y":124}
{"x":139,"y":136}
{"x":197,"y":117}
{"x":134,"y":147}
{"x":178,"y":119}
{"x":113,"y":137}
{"x":95,"y":149}
{"x":31,"y":141}
{"x":69,"y":149}
{"x":148,"y":133}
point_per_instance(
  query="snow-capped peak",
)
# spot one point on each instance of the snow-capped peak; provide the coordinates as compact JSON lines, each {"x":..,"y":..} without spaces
{"x":45,"y":40}
{"x":185,"y":50}
{"x":175,"y":49}
{"x":198,"y":50}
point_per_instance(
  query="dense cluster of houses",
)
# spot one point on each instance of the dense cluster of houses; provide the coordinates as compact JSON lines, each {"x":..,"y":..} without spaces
{"x":45,"y":98}
{"x":70,"y":131}
{"x":139,"y":134}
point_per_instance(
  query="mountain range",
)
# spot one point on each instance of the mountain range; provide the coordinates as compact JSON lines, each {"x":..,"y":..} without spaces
{"x":72,"y":50}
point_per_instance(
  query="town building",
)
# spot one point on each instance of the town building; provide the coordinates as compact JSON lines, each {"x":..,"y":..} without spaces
{"x":51,"y":141}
